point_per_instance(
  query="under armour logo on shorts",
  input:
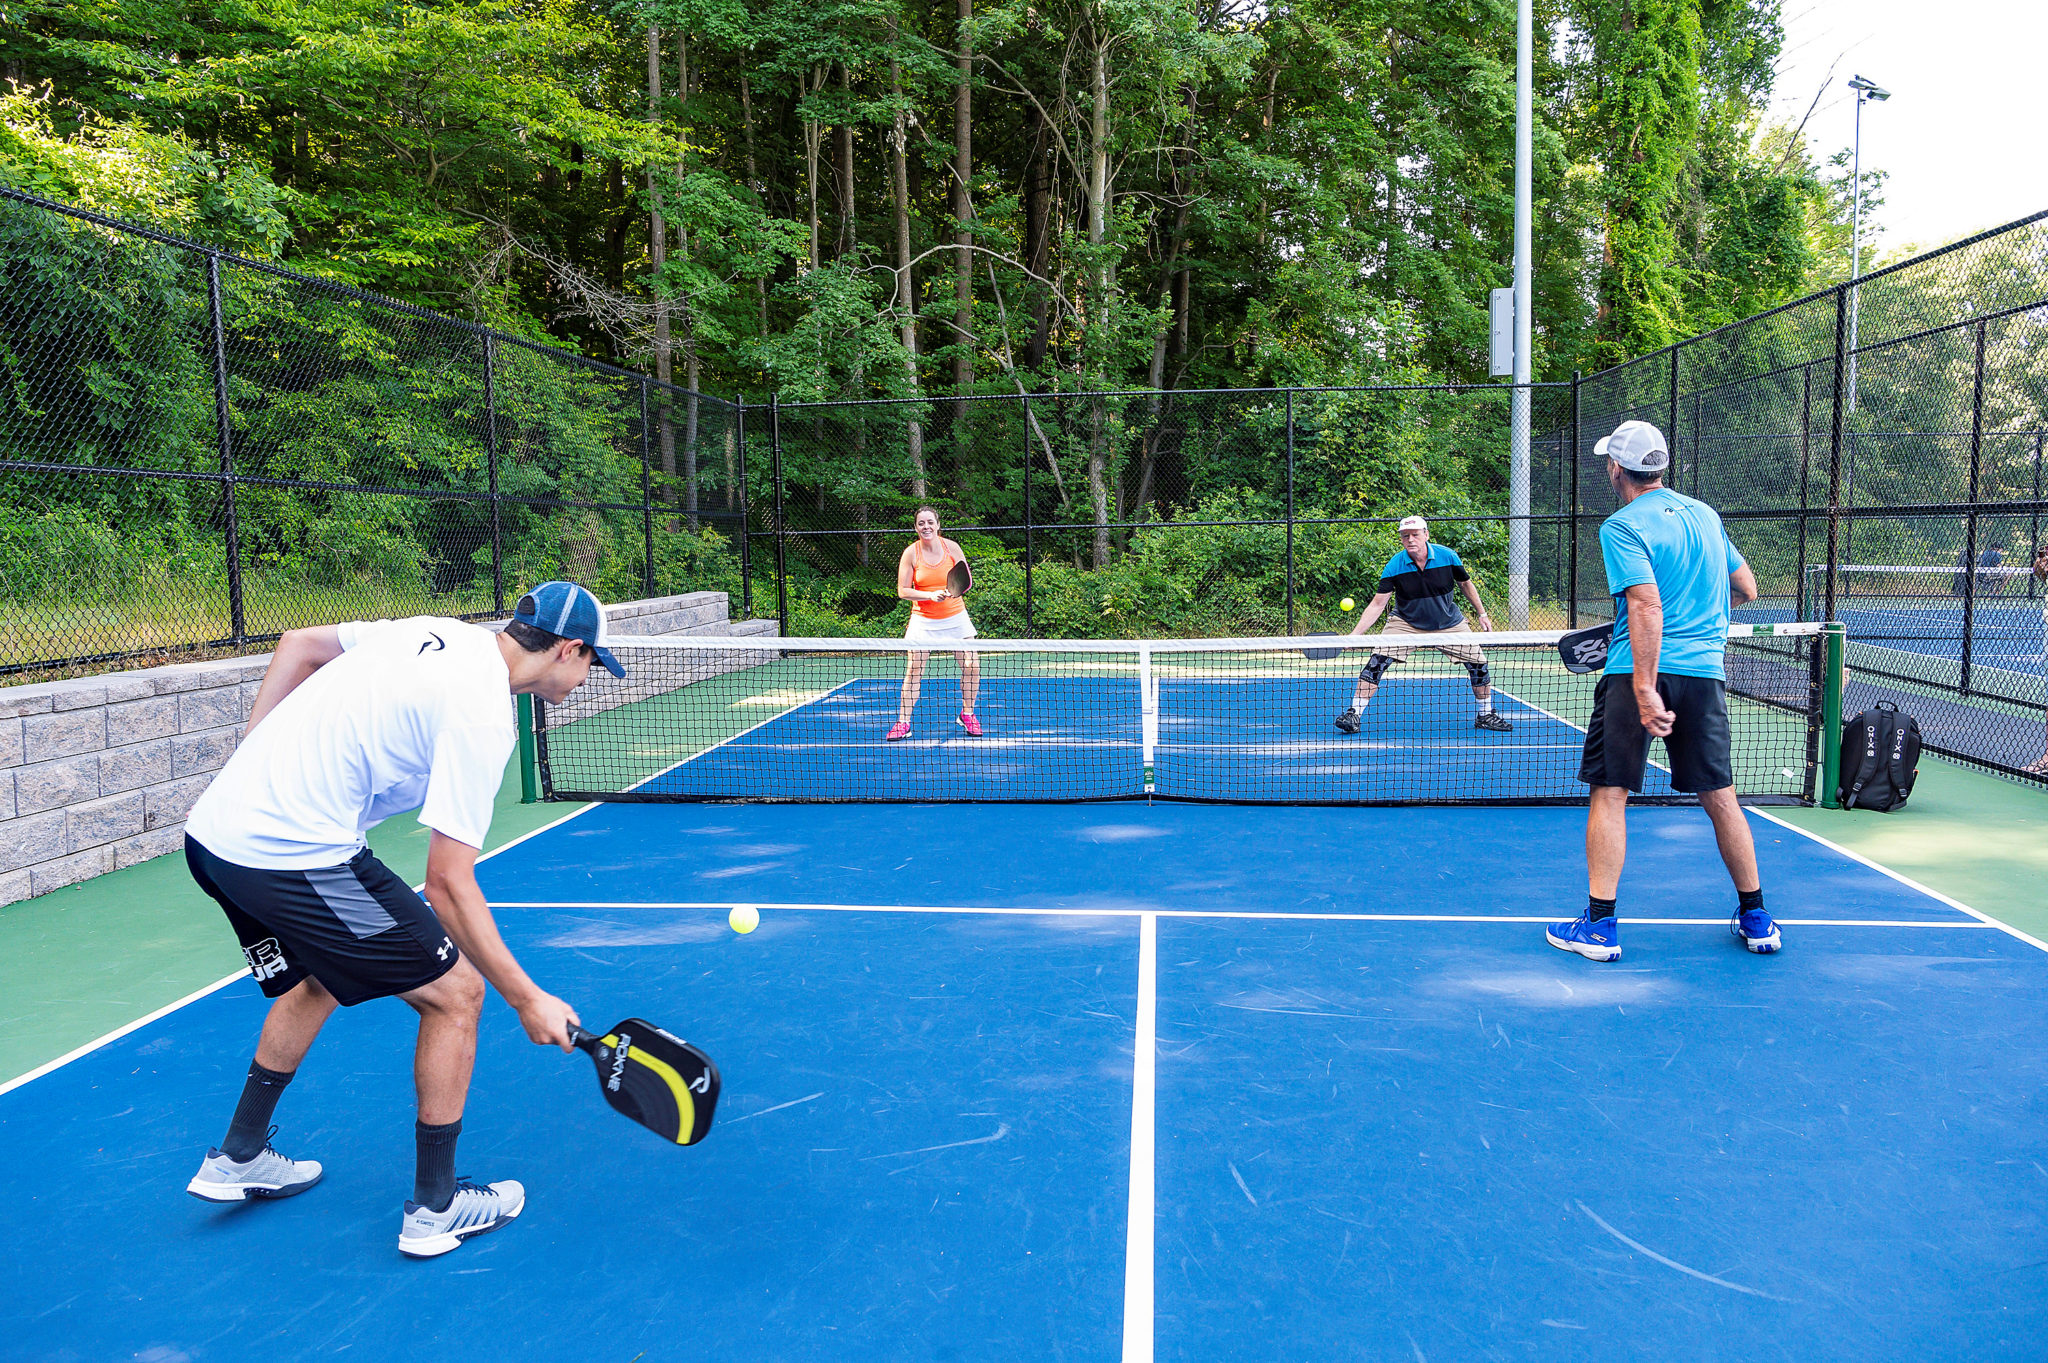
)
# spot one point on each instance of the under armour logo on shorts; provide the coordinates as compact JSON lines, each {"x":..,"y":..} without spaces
{"x":446,"y":947}
{"x":266,"y":959}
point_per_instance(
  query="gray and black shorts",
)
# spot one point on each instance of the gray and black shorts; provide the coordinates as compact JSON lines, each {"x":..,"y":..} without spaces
{"x":357,"y":928}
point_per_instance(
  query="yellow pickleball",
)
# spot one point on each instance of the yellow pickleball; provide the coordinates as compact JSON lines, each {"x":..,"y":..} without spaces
{"x":1346,"y":604}
{"x":744,"y":918}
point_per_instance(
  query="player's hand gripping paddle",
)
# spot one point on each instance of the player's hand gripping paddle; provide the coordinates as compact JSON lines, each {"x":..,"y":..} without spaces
{"x":665,"y":1084}
{"x":1585,"y":650}
{"x":960,"y":581}
{"x":1321,"y":655}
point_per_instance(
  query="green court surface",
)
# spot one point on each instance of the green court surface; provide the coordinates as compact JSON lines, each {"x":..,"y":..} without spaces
{"x":87,"y":960}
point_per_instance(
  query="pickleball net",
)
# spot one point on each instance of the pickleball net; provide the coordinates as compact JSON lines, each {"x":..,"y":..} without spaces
{"x":1230,"y":720}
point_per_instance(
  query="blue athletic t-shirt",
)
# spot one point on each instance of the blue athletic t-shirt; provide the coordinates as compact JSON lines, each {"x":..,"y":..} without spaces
{"x":1678,"y":543}
{"x":1425,"y":597}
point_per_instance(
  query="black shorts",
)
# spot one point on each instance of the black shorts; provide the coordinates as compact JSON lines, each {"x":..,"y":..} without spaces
{"x":1617,"y":744}
{"x":356,"y":928}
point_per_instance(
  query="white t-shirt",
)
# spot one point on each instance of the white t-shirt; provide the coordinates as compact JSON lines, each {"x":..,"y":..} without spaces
{"x":415,"y":714}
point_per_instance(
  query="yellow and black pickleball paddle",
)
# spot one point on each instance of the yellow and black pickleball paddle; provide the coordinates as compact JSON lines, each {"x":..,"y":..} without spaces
{"x":660,"y":1081}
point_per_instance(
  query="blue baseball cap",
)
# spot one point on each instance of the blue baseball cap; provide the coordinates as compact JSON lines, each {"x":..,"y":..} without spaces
{"x":571,"y":612}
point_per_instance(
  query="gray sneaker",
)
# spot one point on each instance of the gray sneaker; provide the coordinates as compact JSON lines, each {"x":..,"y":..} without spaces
{"x":269,"y":1174}
{"x":1348,"y":722}
{"x":476,"y":1208}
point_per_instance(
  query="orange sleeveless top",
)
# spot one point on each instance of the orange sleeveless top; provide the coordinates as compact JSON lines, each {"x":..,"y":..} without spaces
{"x":931,"y":577}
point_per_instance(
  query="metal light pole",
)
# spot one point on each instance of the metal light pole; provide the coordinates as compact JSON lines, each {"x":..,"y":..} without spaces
{"x":1518,"y":438}
{"x":1866,"y":91}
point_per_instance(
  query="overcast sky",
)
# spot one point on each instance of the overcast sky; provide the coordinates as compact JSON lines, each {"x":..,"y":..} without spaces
{"x":1965,"y":133}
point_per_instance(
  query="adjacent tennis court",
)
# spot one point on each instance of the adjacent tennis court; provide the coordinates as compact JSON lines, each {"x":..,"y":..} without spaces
{"x":1118,"y":1081}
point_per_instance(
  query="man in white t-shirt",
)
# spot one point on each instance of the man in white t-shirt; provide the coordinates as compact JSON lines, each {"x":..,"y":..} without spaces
{"x":354,"y":723}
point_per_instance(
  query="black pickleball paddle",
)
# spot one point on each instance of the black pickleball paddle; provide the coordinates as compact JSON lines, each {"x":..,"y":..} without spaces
{"x":660,"y":1081}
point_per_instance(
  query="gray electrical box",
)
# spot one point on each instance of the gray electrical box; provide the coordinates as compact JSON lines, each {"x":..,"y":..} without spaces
{"x":1501,"y":349}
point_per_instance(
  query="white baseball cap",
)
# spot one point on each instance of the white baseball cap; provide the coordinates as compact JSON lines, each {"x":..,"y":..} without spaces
{"x":1636,"y":445}
{"x":1413,"y":523}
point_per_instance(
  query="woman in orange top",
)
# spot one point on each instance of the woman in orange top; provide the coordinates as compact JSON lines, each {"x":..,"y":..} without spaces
{"x":935,"y":615}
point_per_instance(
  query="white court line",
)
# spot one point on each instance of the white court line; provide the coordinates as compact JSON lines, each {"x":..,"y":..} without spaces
{"x":1907,"y":881}
{"x":1138,"y":1220}
{"x":89,"y":1047}
{"x":722,"y":906}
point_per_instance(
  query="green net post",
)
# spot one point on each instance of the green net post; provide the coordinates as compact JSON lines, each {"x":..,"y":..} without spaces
{"x":1831,"y":717}
{"x":529,"y":762}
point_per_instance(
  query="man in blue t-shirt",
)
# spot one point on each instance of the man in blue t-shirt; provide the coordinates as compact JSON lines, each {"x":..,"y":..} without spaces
{"x":1420,"y":580}
{"x":1674,"y":575}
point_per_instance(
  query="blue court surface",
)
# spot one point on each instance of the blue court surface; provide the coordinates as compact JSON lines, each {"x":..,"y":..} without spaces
{"x":1258,"y":738}
{"x":1093,"y":1083}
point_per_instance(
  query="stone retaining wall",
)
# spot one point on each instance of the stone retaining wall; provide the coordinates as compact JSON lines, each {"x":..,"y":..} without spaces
{"x":98,"y":773}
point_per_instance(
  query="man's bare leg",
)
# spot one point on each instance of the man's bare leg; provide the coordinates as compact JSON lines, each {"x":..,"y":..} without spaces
{"x":446,"y":1051}
{"x":1606,"y":840}
{"x":1731,"y":831}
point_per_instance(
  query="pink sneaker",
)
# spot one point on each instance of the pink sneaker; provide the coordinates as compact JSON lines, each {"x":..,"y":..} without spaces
{"x":968,"y":722}
{"x":900,"y":731}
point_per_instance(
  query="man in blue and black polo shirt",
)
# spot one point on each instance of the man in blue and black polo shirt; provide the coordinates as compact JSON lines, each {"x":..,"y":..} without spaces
{"x":1422,"y":582}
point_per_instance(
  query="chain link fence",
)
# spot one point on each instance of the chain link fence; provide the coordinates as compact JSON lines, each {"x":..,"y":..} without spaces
{"x":1876,"y":450}
{"x":1152,"y":514}
{"x":200,"y":452}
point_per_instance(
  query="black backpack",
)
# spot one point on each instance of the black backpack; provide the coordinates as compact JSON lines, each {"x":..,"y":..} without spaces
{"x":1880,"y":758}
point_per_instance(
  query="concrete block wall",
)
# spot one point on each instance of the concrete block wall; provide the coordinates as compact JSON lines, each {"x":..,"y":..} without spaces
{"x":98,"y":773}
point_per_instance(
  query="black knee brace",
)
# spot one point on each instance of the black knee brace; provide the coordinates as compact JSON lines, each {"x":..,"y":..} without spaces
{"x":1478,"y":673}
{"x":1375,"y":667}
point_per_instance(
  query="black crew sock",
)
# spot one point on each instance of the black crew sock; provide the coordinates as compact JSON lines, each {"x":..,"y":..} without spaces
{"x":433,"y":1180}
{"x":1750,"y":899}
{"x":251,"y":1124}
{"x":1597,"y":909}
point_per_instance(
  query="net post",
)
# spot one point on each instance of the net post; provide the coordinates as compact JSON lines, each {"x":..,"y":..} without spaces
{"x":1831,"y":716}
{"x":1290,"y":511}
{"x":1148,"y":704}
{"x":529,"y":764}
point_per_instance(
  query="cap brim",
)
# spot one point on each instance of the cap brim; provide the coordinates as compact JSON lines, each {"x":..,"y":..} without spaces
{"x":611,"y":664}
{"x":1600,"y":445}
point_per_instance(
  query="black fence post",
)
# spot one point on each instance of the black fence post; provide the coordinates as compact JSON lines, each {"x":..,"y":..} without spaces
{"x":1801,"y":595}
{"x":491,"y":460}
{"x":1671,"y":427}
{"x":646,"y":494}
{"x":2034,"y":543}
{"x":781,"y":559}
{"x":1970,"y":519}
{"x":1835,"y":453}
{"x":1571,"y":608}
{"x":1030,"y":612}
{"x":739,"y":417}
{"x":1290,"y":511}
{"x":238,"y":632}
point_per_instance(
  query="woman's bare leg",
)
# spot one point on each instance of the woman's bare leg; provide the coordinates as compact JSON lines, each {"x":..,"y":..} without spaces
{"x":970,"y":680}
{"x":913,"y":683}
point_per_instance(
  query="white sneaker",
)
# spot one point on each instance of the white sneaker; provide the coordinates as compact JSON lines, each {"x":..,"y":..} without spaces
{"x":476,"y":1208}
{"x":269,"y":1174}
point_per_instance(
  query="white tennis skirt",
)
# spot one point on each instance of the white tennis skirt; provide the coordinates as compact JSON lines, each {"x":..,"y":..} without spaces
{"x":925,"y":630}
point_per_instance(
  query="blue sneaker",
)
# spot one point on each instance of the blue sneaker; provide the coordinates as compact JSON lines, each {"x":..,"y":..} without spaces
{"x":1757,"y":930}
{"x":1599,"y":941}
